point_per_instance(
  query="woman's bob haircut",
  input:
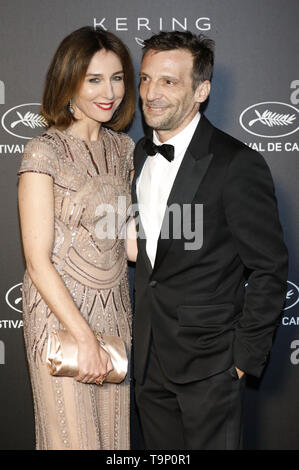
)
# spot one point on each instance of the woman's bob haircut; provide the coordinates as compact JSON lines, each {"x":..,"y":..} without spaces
{"x":67,"y":72}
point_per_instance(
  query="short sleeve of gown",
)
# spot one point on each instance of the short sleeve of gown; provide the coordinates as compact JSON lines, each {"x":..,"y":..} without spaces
{"x":39,"y":157}
{"x":128,"y":146}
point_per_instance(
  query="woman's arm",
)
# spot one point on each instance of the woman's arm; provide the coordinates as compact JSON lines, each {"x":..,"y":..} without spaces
{"x":131,"y":241}
{"x":36,"y":207}
{"x":131,"y":234}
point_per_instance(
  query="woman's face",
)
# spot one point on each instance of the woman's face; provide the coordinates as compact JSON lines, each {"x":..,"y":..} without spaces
{"x":102,"y":90}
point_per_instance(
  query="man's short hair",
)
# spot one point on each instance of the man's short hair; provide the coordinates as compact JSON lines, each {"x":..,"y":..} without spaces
{"x":201,"y":48}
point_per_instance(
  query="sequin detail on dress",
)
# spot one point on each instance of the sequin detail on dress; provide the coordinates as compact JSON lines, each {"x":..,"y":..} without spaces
{"x":87,"y":175}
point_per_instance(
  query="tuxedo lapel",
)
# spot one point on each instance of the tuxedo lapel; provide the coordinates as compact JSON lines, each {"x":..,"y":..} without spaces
{"x":190,"y":175}
{"x":140,"y":157}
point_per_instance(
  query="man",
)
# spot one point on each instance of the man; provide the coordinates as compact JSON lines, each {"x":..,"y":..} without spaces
{"x":197,"y":328}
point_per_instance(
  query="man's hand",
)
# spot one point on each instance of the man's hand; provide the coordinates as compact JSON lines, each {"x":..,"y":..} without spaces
{"x":240,"y":373}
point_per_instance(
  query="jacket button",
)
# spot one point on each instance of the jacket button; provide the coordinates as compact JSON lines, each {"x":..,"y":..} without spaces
{"x":153,"y":283}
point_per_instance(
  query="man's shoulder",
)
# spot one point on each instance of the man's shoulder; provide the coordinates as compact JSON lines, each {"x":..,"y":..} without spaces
{"x":139,"y":143}
{"x":236,"y":156}
{"x":226,"y":142}
{"x":227,"y":147}
{"x":138,"y":151}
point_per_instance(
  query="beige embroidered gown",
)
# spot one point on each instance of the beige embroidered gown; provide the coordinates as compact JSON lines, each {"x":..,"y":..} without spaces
{"x":69,"y":414}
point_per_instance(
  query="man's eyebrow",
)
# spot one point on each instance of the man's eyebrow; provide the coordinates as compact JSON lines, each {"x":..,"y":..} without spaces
{"x":168,"y":77}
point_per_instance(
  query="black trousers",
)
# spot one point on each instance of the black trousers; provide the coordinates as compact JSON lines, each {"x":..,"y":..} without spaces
{"x":202,"y":415}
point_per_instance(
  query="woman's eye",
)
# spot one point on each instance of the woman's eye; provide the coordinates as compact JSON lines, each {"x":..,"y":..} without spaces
{"x":118,"y":78}
{"x":94,"y":80}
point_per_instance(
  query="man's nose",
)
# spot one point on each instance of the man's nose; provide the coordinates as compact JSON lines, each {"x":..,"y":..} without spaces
{"x":152,"y":92}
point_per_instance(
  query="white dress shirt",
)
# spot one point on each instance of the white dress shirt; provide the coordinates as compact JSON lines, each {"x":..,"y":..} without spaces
{"x":155,"y":182}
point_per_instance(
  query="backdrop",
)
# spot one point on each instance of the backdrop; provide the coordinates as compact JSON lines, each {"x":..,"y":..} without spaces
{"x":255,"y":96}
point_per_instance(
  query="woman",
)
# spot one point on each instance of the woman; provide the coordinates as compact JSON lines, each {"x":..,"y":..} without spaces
{"x":75,"y":277}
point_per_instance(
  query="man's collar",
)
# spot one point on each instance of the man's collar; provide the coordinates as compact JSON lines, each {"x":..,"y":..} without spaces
{"x":184,"y":137}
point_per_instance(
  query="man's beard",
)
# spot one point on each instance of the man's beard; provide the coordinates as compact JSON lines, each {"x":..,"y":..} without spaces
{"x":160,"y":123}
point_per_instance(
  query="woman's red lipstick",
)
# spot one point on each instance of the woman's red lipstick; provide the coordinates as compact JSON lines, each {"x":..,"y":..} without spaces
{"x":105,"y":106}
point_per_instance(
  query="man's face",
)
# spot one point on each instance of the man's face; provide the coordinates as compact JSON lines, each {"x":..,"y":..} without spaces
{"x":168,"y":99}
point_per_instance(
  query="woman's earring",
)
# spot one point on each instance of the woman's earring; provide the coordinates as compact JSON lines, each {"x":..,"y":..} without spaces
{"x":71,"y":109}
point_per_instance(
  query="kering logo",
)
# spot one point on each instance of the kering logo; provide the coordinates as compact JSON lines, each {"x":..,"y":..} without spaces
{"x":13,"y":297}
{"x":2,"y":92}
{"x":145,"y":24}
{"x":21,"y":121}
{"x":270,"y":119}
{"x":2,"y":353}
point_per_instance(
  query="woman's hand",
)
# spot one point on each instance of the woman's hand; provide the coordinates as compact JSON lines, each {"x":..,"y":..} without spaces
{"x":93,"y":361}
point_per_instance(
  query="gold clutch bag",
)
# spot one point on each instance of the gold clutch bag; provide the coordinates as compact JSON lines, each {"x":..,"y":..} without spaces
{"x":62,"y":355}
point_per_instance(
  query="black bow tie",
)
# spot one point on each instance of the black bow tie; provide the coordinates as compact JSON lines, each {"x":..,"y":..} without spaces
{"x":166,"y":150}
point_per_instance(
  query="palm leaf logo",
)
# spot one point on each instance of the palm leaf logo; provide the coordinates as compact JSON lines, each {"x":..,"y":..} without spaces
{"x":273,"y":119}
{"x":30,"y":120}
{"x":290,"y":293}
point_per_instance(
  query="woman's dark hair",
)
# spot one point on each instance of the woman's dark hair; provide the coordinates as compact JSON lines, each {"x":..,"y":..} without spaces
{"x":67,"y":72}
{"x":201,"y":48}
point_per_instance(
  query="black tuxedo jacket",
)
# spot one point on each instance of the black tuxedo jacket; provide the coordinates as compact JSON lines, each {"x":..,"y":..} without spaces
{"x":194,"y":302}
